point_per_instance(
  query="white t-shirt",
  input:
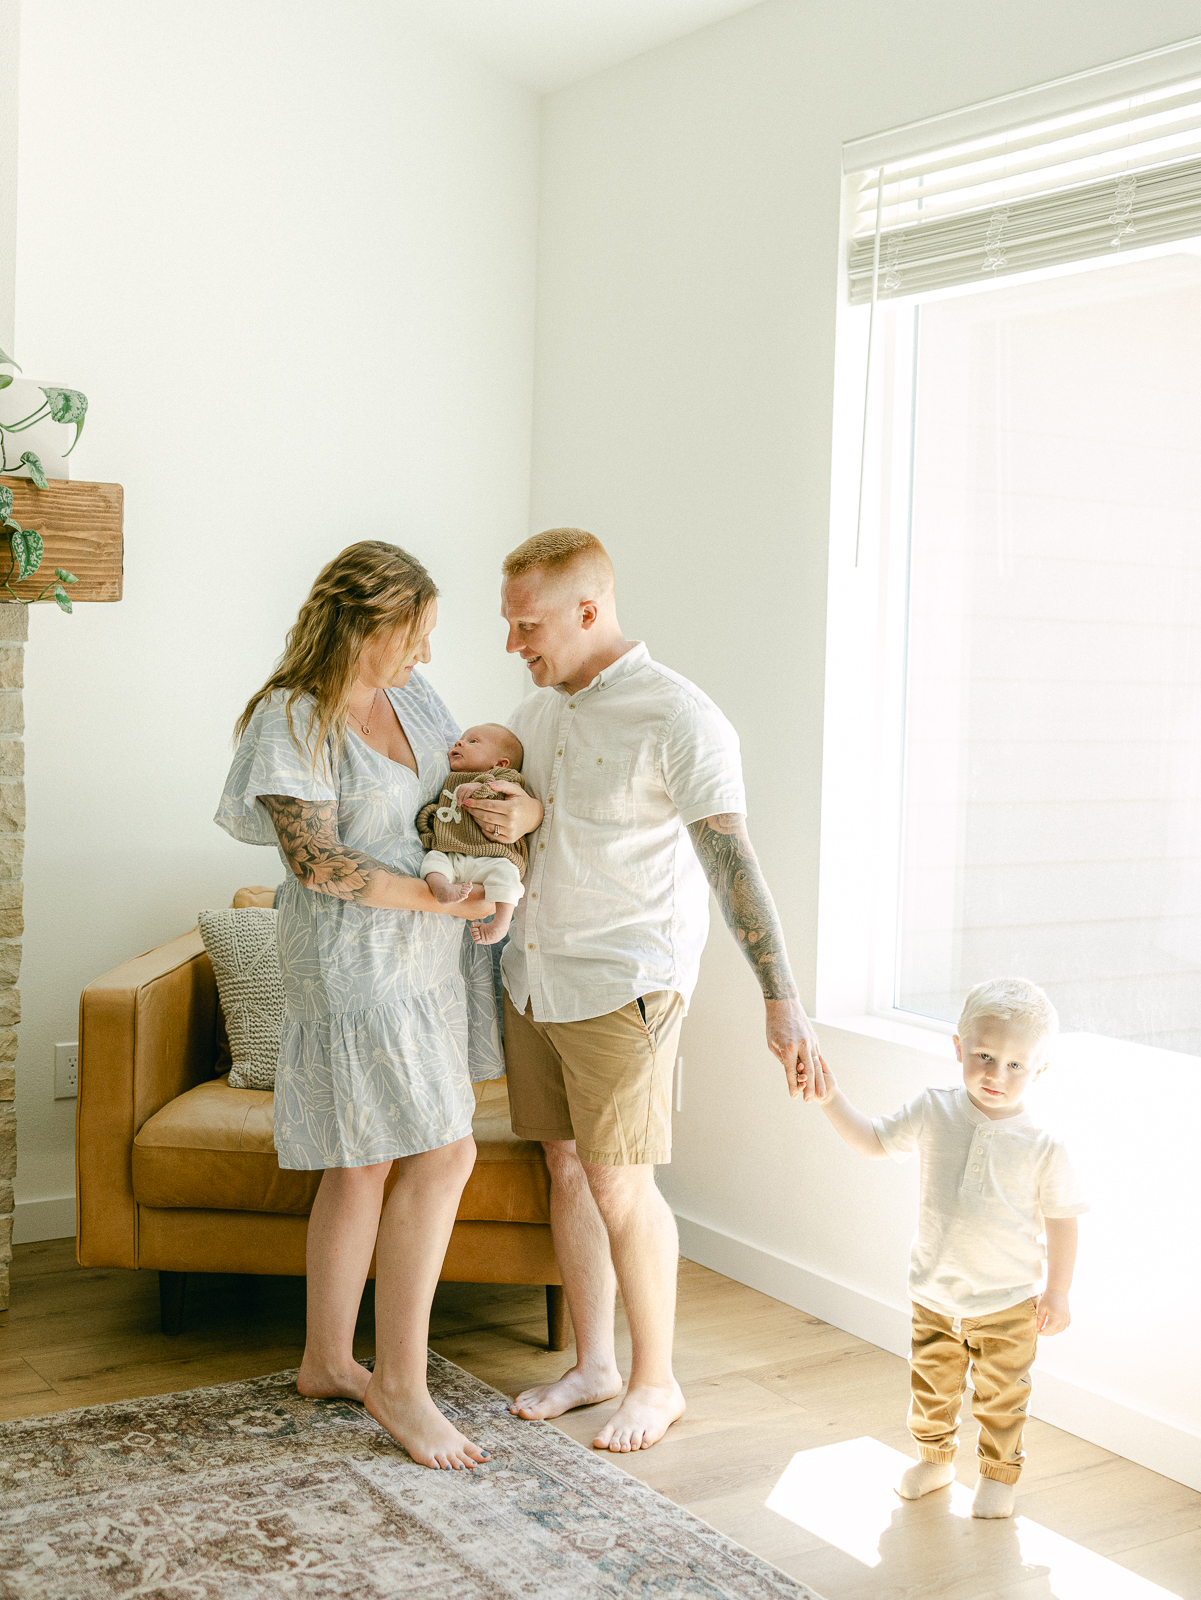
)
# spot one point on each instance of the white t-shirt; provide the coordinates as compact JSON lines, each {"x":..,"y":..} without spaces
{"x":985,"y":1189}
{"x":616,"y":902}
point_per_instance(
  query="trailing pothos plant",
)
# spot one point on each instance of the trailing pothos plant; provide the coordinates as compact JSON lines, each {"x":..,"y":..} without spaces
{"x":25,"y":544}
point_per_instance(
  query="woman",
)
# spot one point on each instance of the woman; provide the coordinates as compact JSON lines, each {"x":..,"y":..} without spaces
{"x":385,"y":1000}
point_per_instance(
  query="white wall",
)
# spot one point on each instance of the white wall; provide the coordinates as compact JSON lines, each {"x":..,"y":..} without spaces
{"x":10,"y":14}
{"x":289,"y":256}
{"x":688,"y":281}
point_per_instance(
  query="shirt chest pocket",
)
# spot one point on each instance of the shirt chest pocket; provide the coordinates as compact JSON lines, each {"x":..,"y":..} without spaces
{"x":598,"y":789}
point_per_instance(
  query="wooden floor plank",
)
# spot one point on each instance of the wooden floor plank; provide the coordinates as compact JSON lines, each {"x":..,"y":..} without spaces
{"x":764,"y":1383}
{"x":18,"y":1379}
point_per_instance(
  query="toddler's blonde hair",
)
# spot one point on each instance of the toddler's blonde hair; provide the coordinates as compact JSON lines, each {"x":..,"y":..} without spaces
{"x":1015,"y":1001}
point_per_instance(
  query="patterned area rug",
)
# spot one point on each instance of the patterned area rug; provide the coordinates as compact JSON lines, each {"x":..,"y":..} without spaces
{"x":248,"y":1490}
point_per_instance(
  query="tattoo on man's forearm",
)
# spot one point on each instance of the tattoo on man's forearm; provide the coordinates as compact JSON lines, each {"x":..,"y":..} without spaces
{"x":728,"y":857}
{"x":308,"y":836}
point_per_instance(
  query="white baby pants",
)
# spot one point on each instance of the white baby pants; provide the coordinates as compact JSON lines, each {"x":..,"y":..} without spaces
{"x":499,"y":876}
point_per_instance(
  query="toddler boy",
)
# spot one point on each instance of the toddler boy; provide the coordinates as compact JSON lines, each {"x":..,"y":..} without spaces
{"x":458,"y":851}
{"x":990,"y":1180}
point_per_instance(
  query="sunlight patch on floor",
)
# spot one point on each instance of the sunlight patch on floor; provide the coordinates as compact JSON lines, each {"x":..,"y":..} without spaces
{"x":845,"y":1494}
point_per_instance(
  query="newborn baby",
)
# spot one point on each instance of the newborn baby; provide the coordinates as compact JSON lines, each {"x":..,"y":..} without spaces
{"x":459,"y":852}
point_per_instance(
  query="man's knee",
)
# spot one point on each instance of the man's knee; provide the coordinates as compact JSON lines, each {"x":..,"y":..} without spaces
{"x":562,"y":1162}
{"x":618,"y":1190}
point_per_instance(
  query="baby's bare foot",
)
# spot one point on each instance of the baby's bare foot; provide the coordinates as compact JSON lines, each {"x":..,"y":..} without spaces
{"x":324,"y":1383}
{"x":493,"y":932}
{"x":415,"y":1422}
{"x":642,"y":1418}
{"x":568,"y":1393}
{"x":445,"y":892}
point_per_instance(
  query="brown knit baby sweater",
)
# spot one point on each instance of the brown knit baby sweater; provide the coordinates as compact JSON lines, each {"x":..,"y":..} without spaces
{"x":446,"y":827}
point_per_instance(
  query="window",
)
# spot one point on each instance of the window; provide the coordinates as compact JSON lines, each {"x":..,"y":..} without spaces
{"x":1033,"y":507}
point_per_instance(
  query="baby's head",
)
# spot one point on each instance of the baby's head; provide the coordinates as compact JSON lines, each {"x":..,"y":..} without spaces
{"x":489,"y":745}
{"x":1004,"y":1039}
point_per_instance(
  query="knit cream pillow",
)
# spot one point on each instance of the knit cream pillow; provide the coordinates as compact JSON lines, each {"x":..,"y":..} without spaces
{"x":241,"y":945}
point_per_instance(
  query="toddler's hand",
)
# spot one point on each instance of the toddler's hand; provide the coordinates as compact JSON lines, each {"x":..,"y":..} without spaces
{"x":1051,"y":1313}
{"x":829,"y":1087}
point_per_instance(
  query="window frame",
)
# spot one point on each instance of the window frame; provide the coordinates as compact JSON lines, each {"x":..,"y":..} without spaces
{"x":868,"y":599}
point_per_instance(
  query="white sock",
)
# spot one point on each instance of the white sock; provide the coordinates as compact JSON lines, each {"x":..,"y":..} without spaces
{"x":992,"y":1498}
{"x":925,"y":1477}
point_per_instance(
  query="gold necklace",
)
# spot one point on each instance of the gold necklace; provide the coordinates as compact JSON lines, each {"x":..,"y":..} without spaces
{"x":366,"y":726}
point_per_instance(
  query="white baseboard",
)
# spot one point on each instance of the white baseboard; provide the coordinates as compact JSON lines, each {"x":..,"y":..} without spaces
{"x":35,"y":1220}
{"x":1175,"y":1452}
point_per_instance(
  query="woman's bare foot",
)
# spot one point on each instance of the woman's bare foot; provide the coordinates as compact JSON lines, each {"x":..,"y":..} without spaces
{"x":642,"y":1418}
{"x":415,"y":1422}
{"x":324,"y":1383}
{"x":445,"y":892}
{"x":568,"y":1393}
{"x":493,"y":932}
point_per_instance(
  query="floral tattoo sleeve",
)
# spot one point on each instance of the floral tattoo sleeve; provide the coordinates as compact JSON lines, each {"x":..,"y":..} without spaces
{"x":308,"y":836}
{"x":724,"y":849}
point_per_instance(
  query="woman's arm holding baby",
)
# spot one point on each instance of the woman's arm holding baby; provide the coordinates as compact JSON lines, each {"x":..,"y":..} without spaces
{"x":308,"y":836}
{"x":851,"y":1123}
{"x":1063,"y":1235}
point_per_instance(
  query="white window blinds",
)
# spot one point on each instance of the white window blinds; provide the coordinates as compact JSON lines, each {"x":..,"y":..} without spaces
{"x":1126,"y":174}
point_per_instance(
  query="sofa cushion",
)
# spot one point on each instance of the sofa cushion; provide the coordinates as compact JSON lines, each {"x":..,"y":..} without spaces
{"x":212,"y":1149}
{"x":241,"y":946}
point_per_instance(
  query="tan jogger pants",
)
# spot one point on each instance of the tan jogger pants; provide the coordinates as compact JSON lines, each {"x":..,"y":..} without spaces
{"x":1000,"y":1350}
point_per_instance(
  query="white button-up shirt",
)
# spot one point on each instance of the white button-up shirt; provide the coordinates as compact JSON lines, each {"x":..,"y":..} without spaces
{"x":616,"y":902}
{"x":986,"y":1188}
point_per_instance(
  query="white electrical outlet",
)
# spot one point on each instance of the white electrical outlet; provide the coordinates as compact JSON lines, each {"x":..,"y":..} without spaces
{"x":66,"y":1071}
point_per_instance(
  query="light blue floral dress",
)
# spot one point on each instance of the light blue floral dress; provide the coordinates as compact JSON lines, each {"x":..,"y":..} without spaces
{"x":389,"y":1015}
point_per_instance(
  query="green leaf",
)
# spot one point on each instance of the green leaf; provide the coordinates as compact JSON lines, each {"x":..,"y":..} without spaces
{"x":28,"y":459}
{"x":34,"y":551}
{"x":11,"y":522}
{"x":5,"y":379}
{"x":67,"y":405}
{"x":6,"y":501}
{"x":7,"y":361}
{"x":67,"y":577}
{"x":62,"y":598}
{"x":20,"y":554}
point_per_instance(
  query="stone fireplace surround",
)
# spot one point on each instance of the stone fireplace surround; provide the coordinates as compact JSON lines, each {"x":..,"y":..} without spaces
{"x":14,"y":630}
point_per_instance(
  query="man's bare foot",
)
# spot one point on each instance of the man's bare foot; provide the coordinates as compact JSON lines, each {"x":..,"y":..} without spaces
{"x":568,"y":1393}
{"x":642,"y":1418}
{"x":493,"y":932}
{"x":445,"y":892}
{"x":415,"y":1422}
{"x":324,"y":1383}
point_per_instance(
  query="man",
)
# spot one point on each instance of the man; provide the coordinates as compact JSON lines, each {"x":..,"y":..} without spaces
{"x":631,"y":762}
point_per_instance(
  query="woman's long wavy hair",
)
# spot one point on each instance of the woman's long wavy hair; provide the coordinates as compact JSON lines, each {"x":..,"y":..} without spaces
{"x":369,"y":588}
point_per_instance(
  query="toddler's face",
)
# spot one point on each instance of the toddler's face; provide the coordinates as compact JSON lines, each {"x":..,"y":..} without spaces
{"x":999,"y":1064}
{"x":476,"y":751}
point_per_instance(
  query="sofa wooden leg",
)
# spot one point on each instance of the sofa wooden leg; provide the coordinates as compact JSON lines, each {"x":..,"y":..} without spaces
{"x":171,"y":1286}
{"x":558,"y":1323}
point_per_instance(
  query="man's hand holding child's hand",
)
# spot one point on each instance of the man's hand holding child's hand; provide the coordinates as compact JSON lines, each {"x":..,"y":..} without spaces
{"x":1052,"y":1313}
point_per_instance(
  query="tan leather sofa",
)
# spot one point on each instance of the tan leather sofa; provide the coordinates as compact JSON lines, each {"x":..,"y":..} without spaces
{"x":176,"y":1170}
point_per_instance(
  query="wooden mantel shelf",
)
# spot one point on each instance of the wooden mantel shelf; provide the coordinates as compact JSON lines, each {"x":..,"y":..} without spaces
{"x":81,"y":525}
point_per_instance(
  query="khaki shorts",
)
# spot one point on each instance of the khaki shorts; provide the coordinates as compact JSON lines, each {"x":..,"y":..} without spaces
{"x":604,"y":1082}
